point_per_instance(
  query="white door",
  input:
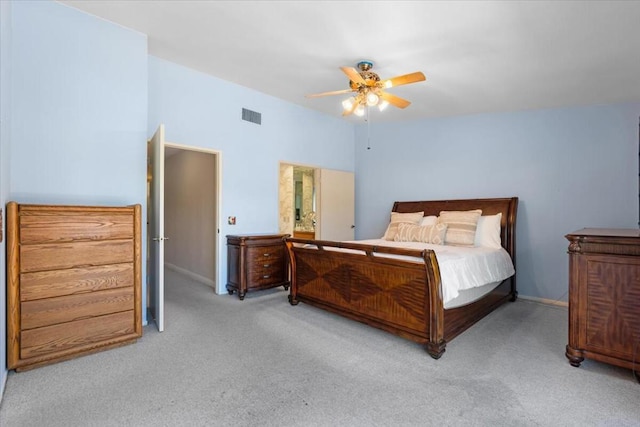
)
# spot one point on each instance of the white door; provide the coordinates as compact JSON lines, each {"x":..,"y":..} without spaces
{"x":336,"y":213}
{"x":155,"y":230}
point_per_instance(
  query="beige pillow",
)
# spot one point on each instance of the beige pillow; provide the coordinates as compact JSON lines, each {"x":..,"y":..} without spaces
{"x":397,"y":218}
{"x":421,"y":233}
{"x":429,"y":220}
{"x":461,"y":226}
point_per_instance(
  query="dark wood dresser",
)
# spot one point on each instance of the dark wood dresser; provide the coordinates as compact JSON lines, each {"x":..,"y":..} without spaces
{"x":255,"y":262}
{"x":73,"y":281}
{"x":604,"y":296}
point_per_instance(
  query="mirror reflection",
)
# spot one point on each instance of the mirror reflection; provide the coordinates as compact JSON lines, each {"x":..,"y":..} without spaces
{"x":304,"y":206}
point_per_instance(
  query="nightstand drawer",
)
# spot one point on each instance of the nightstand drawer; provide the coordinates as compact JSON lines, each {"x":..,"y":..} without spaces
{"x":264,"y":276}
{"x":266,"y":254}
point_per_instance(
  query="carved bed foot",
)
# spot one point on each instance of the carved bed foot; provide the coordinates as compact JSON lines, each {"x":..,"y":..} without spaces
{"x":292,"y":300}
{"x":436,"y":350}
{"x":514,"y":296}
{"x":241,"y":295}
{"x":286,"y":287}
{"x":575,"y":356}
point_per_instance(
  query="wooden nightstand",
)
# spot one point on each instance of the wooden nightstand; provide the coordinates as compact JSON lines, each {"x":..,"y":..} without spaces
{"x":256,"y":262}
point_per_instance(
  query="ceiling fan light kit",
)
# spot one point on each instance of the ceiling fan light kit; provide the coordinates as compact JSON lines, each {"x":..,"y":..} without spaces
{"x":369,"y":89}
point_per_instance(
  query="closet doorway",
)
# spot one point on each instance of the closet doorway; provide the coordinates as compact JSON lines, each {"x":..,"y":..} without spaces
{"x":189,"y":181}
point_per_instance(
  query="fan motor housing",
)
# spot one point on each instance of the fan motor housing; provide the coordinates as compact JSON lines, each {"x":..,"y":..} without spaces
{"x":369,"y":76}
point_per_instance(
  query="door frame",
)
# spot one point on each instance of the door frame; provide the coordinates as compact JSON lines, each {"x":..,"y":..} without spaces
{"x":219,"y":286}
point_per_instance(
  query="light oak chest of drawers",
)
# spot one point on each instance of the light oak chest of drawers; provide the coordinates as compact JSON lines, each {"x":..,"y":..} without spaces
{"x":73,"y":281}
{"x":256,"y":261}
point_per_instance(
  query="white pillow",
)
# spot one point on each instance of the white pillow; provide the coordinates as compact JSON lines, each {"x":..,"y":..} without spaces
{"x":428,"y":220}
{"x":488,"y":231}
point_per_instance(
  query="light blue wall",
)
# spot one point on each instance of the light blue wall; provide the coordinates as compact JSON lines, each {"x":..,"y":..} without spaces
{"x":78,"y":109}
{"x":202,"y":111}
{"x":5,"y":137}
{"x":571,"y":168}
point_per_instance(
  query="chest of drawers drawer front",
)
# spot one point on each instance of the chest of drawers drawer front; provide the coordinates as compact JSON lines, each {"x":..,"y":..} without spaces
{"x":56,"y":283}
{"x":69,"y":255}
{"x":76,"y":335}
{"x":55,"y":226}
{"x":51,"y":311}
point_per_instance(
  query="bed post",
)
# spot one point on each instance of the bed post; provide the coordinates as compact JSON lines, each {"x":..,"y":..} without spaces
{"x":436,"y":344}
{"x":513,"y":211}
{"x":292,"y":273}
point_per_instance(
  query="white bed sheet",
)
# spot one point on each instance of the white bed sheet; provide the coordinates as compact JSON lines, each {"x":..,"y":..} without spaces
{"x":461,"y":268}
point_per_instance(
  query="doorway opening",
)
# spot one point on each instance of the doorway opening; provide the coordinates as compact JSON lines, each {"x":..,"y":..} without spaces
{"x":190,"y":213}
{"x":183,"y":211}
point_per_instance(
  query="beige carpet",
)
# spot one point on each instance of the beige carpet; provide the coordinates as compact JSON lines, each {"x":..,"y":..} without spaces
{"x":262,"y":362}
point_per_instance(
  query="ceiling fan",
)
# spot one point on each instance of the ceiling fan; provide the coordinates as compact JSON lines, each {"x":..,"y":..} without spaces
{"x":369,"y":89}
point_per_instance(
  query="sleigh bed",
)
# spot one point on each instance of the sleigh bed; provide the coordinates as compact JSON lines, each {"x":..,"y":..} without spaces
{"x":399,"y":290}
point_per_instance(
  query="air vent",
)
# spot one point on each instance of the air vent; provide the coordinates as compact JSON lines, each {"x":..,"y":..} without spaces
{"x":251,"y":116}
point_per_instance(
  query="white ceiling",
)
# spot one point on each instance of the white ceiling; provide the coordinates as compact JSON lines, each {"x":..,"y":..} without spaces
{"x":478,"y":56}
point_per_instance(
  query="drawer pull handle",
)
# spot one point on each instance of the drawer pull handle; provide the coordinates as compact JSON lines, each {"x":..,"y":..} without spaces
{"x":266,"y":276}
{"x":267,"y":254}
{"x":266,"y":265}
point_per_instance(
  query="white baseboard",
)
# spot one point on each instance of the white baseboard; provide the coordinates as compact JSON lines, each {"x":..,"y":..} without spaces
{"x":190,"y":274}
{"x":545,"y":301}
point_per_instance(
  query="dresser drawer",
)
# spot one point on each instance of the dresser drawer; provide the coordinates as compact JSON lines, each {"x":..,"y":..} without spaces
{"x":77,"y":334}
{"x":52,"y":225}
{"x":56,"y":283}
{"x":51,"y":311}
{"x":68,"y":255}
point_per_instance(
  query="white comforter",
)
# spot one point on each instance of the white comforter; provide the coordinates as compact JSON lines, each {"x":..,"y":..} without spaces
{"x":461,"y":267}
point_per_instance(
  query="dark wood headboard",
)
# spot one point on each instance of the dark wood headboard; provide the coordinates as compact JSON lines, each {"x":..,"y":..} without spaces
{"x":508,"y":207}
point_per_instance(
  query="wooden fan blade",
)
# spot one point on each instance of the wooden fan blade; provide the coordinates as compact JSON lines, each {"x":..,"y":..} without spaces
{"x":335,"y":92}
{"x":405,"y":79}
{"x":394,"y":100}
{"x":353,"y":75}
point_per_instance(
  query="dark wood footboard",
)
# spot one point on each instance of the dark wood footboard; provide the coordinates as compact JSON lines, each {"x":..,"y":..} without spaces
{"x":401,"y":296}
